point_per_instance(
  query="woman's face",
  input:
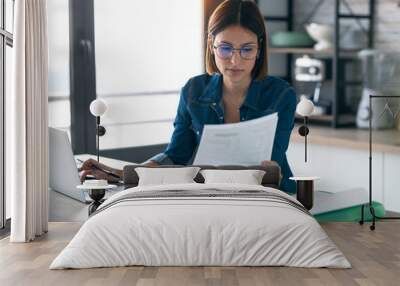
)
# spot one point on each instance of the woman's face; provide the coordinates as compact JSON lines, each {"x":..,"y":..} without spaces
{"x":236,"y":65}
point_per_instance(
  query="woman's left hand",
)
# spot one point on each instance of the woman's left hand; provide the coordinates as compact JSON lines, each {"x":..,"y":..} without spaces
{"x":267,"y":163}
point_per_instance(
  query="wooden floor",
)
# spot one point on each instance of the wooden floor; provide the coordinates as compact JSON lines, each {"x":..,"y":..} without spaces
{"x":375,"y":257}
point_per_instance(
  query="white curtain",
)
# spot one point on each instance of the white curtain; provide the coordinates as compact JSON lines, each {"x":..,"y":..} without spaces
{"x":27,"y":123}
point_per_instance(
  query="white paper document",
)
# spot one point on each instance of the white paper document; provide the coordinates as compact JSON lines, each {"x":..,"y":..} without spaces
{"x":244,"y":143}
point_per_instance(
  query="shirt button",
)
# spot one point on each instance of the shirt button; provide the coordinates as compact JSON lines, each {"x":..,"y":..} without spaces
{"x":221,"y":117}
{"x":242,"y":118}
{"x":198,"y":132}
{"x":214,"y":103}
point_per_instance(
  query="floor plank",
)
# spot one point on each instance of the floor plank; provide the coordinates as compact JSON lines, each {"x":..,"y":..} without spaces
{"x":375,"y":257}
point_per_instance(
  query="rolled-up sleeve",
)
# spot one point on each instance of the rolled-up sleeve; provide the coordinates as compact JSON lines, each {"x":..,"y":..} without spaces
{"x":161,"y":159}
{"x":285,"y":125}
{"x":284,"y":129}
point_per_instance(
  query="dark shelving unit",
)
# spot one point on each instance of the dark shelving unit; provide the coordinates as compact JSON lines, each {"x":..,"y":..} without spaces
{"x":339,"y":116}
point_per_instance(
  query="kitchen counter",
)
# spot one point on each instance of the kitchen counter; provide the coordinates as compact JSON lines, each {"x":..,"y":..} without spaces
{"x":383,"y":140}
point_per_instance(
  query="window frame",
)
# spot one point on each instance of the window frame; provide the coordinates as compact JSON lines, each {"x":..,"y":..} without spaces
{"x":82,"y":76}
{"x":83,"y":87}
{"x":6,"y":39}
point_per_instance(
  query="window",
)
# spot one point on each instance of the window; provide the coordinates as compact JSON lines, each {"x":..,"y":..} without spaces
{"x":142,"y":61}
{"x":6,"y":42}
{"x":134,"y":55}
{"x":58,"y":40}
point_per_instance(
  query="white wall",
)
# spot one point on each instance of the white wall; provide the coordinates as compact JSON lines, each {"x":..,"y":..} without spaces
{"x":391,"y":181}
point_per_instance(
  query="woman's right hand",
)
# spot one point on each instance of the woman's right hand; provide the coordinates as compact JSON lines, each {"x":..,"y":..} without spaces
{"x":97,"y":170}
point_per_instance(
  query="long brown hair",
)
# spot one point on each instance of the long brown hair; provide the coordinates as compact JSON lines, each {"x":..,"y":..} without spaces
{"x":247,"y":15}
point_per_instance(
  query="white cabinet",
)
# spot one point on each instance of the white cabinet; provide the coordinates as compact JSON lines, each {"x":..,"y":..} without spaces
{"x":391,"y":181}
{"x":343,"y":168}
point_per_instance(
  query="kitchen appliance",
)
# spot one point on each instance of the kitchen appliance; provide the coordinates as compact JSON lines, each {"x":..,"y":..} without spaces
{"x":381,"y":71}
{"x":312,"y":70}
{"x":309,"y":69}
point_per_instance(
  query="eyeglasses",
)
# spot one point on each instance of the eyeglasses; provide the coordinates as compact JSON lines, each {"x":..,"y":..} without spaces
{"x":226,"y":52}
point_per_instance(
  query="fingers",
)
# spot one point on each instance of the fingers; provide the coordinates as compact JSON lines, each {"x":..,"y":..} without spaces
{"x":266,"y":163}
{"x":98,"y":174}
{"x":88,"y":165}
{"x":92,"y":163}
{"x":84,"y":174}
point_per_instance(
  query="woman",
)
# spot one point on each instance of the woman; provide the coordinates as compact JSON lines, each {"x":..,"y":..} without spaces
{"x":236,"y":88}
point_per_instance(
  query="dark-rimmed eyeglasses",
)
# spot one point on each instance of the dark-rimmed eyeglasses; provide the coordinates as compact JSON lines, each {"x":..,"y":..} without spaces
{"x":225,"y":51}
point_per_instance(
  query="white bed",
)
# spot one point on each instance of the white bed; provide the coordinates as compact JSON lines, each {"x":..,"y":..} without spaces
{"x":267,"y":228}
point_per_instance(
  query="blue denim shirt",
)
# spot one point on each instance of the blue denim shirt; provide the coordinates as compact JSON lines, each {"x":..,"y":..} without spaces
{"x":201,"y":103}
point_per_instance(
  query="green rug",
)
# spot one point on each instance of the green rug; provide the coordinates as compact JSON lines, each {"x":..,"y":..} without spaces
{"x":351,"y":214}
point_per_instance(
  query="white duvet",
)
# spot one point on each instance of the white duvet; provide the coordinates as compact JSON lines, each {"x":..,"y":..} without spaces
{"x":200,"y":231}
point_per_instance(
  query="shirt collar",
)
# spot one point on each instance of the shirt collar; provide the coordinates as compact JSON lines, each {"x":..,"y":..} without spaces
{"x":213,"y":92}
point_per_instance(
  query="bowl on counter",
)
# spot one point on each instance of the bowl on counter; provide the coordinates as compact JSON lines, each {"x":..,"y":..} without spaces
{"x":291,"y":39}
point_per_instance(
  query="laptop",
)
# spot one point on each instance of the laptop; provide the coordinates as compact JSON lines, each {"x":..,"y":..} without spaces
{"x":63,"y":173}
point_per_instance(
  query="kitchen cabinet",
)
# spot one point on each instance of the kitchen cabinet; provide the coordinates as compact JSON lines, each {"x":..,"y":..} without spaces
{"x":340,"y":158}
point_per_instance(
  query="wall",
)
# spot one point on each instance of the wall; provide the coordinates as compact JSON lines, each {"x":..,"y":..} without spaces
{"x":126,"y":72}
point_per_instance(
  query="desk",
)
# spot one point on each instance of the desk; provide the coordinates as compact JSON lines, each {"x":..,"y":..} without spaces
{"x":114,"y":163}
{"x":65,"y":209}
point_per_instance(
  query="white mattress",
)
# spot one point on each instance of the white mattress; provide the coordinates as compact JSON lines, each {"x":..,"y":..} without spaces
{"x":191,"y":231}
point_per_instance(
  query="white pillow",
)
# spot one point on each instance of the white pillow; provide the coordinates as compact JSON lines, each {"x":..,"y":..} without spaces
{"x":165,"y":176}
{"x":248,"y":177}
